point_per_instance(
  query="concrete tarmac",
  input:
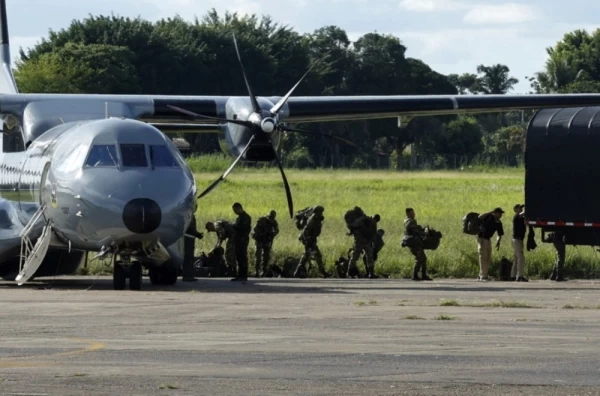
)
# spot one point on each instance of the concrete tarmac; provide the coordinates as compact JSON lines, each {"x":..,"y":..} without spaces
{"x":77,"y":336}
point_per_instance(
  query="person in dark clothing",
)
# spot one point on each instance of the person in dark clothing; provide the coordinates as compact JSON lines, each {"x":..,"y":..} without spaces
{"x":189,"y":245}
{"x":518,"y":244}
{"x":490,"y":224}
{"x":243,"y":227}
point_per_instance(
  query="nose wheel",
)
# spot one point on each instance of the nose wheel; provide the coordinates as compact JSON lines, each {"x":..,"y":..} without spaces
{"x":124,"y":270}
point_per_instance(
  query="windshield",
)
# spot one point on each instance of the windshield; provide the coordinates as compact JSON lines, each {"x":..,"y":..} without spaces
{"x":134,"y":155}
{"x":102,"y":155}
{"x":161,"y":156}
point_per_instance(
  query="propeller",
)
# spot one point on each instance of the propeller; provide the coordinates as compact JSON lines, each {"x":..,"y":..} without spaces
{"x":261,"y":123}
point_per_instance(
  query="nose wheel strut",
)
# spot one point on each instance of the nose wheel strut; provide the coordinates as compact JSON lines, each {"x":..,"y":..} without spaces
{"x":126,"y":269}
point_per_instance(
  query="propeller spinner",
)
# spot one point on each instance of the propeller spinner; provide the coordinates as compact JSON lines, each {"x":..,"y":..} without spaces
{"x":260,"y":122}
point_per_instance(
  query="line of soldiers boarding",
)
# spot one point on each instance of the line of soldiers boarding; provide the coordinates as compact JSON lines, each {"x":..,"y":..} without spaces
{"x":368,"y":242}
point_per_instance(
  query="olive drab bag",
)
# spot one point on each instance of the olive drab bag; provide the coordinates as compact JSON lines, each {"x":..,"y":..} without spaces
{"x":351,"y":216}
{"x":301,"y":217}
{"x":432,"y":239}
{"x":471,"y":223}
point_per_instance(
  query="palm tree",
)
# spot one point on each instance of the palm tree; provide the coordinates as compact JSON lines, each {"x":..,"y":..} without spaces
{"x":561,"y":71}
{"x":494,"y":80}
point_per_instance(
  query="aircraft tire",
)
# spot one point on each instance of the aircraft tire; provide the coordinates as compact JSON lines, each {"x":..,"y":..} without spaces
{"x":135,"y":276}
{"x":119,"y":277}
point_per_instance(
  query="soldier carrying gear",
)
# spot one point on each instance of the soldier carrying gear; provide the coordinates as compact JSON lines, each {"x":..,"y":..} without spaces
{"x":308,"y":237}
{"x":243,"y":227}
{"x":225,"y":232}
{"x":264,"y":233}
{"x":417,"y":233}
{"x":558,"y":240}
{"x":364,"y":230}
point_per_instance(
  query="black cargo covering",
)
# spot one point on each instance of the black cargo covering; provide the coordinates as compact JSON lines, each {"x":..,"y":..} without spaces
{"x":562,"y":161}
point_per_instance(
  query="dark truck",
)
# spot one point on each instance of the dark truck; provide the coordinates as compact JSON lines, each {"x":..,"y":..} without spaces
{"x":562,"y":173}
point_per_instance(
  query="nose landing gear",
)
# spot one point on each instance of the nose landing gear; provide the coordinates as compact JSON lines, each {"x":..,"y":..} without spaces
{"x":125,"y":268}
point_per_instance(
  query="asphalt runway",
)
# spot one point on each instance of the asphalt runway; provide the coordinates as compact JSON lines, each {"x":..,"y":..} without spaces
{"x":77,"y":336}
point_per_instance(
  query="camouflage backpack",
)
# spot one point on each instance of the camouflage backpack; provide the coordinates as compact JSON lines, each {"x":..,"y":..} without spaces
{"x":352,"y":216}
{"x":301,"y":217}
{"x":471,"y":223}
{"x":262,"y":229}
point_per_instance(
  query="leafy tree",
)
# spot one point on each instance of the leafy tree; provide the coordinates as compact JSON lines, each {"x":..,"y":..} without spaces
{"x":464,"y":83}
{"x":460,"y":137}
{"x":506,"y":142}
{"x":80,"y":68}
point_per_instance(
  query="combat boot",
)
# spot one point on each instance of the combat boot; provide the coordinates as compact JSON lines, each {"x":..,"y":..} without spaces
{"x":425,"y":277}
{"x":424,"y":274}
{"x":416,"y":275}
{"x":560,"y":277}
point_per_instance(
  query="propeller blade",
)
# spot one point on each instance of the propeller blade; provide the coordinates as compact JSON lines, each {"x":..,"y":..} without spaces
{"x":310,"y":133}
{"x":255,"y":104}
{"x":228,"y":171}
{"x":192,"y":114}
{"x":288,"y":193}
{"x":277,"y":108}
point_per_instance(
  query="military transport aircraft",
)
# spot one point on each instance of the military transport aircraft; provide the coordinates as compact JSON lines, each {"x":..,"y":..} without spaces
{"x":96,"y":173}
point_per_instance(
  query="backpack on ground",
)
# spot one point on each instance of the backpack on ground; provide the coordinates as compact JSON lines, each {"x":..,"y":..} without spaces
{"x":341,"y":267}
{"x":471,"y":223}
{"x":289,"y":267}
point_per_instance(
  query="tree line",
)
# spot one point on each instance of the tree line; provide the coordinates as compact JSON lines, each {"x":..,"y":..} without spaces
{"x":111,"y":54}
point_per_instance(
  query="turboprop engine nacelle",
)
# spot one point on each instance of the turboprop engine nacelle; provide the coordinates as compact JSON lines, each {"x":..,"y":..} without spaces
{"x":233,"y":138}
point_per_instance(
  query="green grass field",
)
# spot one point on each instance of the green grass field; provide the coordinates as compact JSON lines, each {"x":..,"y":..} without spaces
{"x":440,"y":199}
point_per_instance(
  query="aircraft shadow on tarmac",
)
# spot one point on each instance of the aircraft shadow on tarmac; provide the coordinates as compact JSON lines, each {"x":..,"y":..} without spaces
{"x":292,"y":286}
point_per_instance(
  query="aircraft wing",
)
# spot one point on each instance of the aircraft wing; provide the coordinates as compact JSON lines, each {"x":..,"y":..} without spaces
{"x":155,"y":108}
{"x":311,"y":109}
{"x":339,"y":108}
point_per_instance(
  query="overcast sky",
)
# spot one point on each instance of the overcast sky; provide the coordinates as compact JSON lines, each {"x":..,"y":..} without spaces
{"x":452,"y":36}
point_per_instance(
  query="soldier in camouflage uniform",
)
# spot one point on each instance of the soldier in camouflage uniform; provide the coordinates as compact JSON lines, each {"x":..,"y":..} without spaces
{"x":265,"y":231}
{"x":225,"y":232}
{"x":308,"y":237}
{"x":363,"y":229}
{"x":412,"y":229}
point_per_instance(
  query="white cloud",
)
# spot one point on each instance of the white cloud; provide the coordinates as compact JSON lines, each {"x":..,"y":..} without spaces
{"x":432,"y":5}
{"x":502,"y":14}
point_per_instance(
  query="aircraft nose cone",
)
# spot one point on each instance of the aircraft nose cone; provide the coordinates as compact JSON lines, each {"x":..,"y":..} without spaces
{"x":142,"y":215}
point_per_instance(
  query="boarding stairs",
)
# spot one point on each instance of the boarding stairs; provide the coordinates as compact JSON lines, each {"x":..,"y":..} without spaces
{"x":32,"y":255}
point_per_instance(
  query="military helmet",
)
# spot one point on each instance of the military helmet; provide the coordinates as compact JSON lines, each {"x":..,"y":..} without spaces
{"x":319,"y":209}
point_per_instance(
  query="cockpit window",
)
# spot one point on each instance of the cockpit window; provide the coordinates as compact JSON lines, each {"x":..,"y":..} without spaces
{"x":102,"y":155}
{"x":161,"y":156}
{"x":134,"y":155}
